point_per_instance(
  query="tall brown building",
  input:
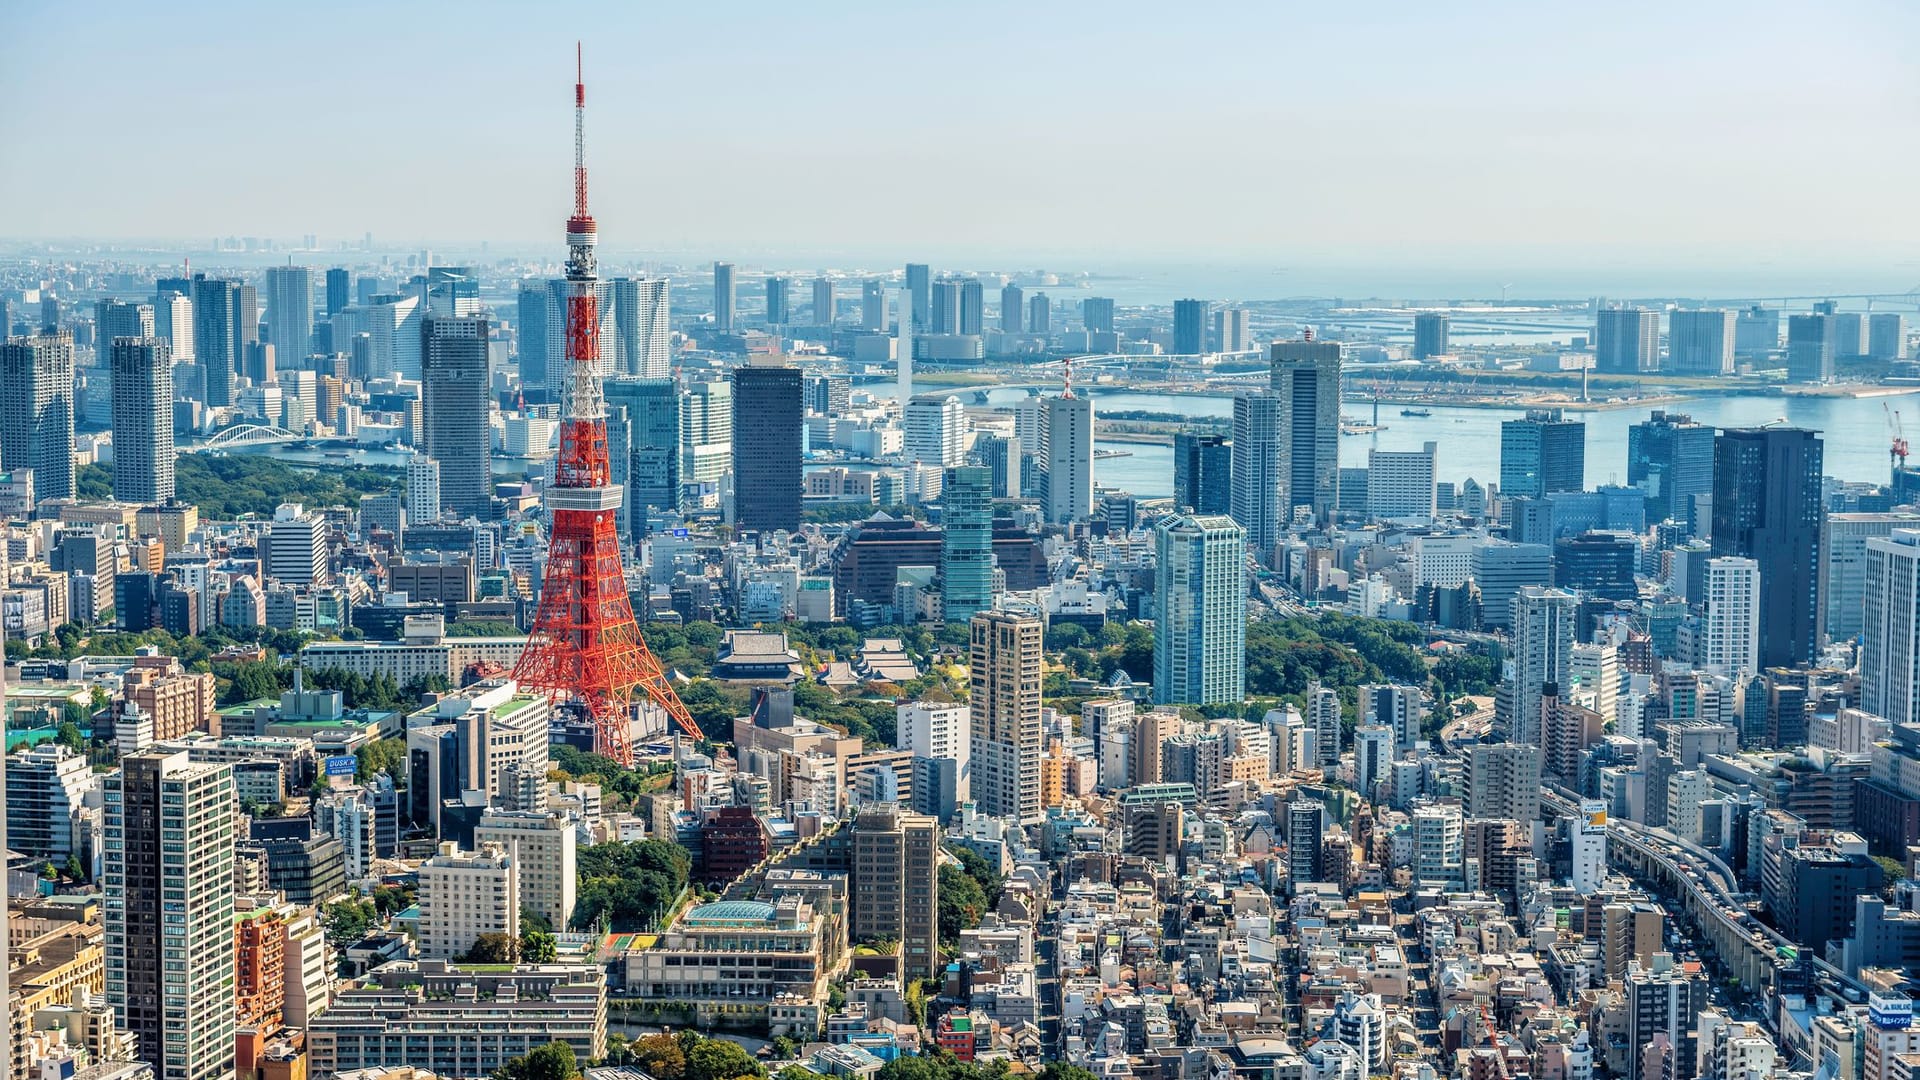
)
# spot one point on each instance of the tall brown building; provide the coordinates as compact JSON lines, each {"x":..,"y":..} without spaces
{"x":896,"y":885}
{"x":1005,"y":706}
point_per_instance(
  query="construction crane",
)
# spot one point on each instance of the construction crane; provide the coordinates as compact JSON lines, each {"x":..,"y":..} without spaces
{"x":1897,"y":449}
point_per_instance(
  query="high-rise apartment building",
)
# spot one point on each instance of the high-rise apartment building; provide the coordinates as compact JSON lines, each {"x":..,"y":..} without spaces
{"x":1039,"y":314}
{"x":966,"y":546}
{"x":1005,"y":666}
{"x":1013,"y":302}
{"x":1189,"y":327}
{"x":1429,"y":335}
{"x":1663,"y":1002}
{"x":895,"y":885}
{"x":1069,"y":458}
{"x":218,"y":334}
{"x":1626,"y":341}
{"x":1756,"y":331}
{"x":543,"y":846}
{"x":920,"y":287}
{"x":643,"y":328}
{"x":1671,"y":459}
{"x":423,"y":489}
{"x":1730,"y":629}
{"x":455,"y":403}
{"x":779,"y":300}
{"x":1700,"y":342}
{"x":945,"y":307}
{"x":1890,"y":646}
{"x":1503,"y":781}
{"x":169,"y":883}
{"x":1096,"y":314}
{"x":822,"y":301}
{"x":530,"y":335}
{"x":938,"y":732}
{"x":297,"y":546}
{"x":873,"y":305}
{"x":1886,"y":336}
{"x":1306,"y":825}
{"x":1543,"y":636}
{"x":1400,"y":484}
{"x":1202,"y":473}
{"x":1259,"y":457}
{"x":36,"y":411}
{"x":1811,"y":348}
{"x":1766,"y":507}
{"x":1843,"y":567}
{"x":1305,"y":375}
{"x":142,"y":420}
{"x":1542,"y":452}
{"x":1233,"y":329}
{"x":935,"y":431}
{"x":766,"y":468}
{"x":973,"y":307}
{"x":1200,"y":617}
{"x":723,"y":297}
{"x":117,"y":319}
{"x":290,"y":312}
{"x":464,"y":894}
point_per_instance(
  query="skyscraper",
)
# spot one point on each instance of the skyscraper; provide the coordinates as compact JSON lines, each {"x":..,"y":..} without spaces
{"x":217,"y":336}
{"x":1541,"y":453}
{"x":895,"y":885}
{"x":822,"y":301}
{"x":142,"y":420}
{"x":1756,"y":331}
{"x":455,"y":403}
{"x":1012,"y":305}
{"x":1730,"y":629}
{"x":779,"y":312}
{"x":1200,"y":616}
{"x":1039,"y":314}
{"x":944,"y":307}
{"x":1096,"y":314}
{"x":118,"y":319}
{"x":966,"y":546}
{"x":339,"y":292}
{"x":766,"y":468}
{"x":1233,"y":329}
{"x":290,"y":312}
{"x":1259,"y":464}
{"x":920,"y":285}
{"x":1005,"y":704}
{"x":1189,"y":327}
{"x":1887,"y":336}
{"x":706,"y":432}
{"x":1671,"y":459}
{"x":935,"y":431}
{"x":1811,"y":348}
{"x":1069,"y":446}
{"x":1700,"y":342}
{"x":973,"y":307}
{"x":531,"y":335}
{"x":1626,"y":341}
{"x":1890,"y":646}
{"x":1306,"y":377}
{"x":423,"y":489}
{"x":1429,"y":335}
{"x":36,"y":411}
{"x":1766,"y":507}
{"x":1543,"y":637}
{"x":1202,"y":473}
{"x":653,"y":445}
{"x":169,"y":911}
{"x":873,"y":305}
{"x":723,"y":300}
{"x":642,"y":327}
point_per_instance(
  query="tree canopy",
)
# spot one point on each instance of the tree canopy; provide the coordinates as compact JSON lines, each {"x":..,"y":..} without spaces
{"x":629,"y":884}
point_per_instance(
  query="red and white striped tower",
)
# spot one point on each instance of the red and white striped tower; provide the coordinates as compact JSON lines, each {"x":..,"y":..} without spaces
{"x":585,"y":645}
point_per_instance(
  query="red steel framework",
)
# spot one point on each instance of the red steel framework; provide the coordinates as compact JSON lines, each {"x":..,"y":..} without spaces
{"x":585,"y":643}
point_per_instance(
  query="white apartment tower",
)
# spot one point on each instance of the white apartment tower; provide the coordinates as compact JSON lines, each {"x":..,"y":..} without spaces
{"x":1890,"y":646}
{"x":464,"y":895}
{"x":543,"y":846}
{"x":1730,"y":631}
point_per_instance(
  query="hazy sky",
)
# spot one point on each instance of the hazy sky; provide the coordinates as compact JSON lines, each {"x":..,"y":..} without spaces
{"x":1706,"y":134}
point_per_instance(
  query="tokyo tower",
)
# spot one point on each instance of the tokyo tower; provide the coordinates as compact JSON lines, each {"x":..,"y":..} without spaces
{"x":585,"y":644}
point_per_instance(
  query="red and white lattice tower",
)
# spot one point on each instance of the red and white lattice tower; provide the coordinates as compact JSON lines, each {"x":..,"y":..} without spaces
{"x":585,"y":645}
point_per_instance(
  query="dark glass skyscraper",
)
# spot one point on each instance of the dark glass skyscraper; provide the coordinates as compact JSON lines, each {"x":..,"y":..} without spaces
{"x":217,"y":335}
{"x":1203,"y":474}
{"x":779,"y":309}
{"x":1542,"y":452}
{"x":339,"y":292}
{"x":1766,"y":507}
{"x":653,"y":445}
{"x":1671,"y":459}
{"x":454,"y":405}
{"x":767,"y":417}
{"x":1429,"y":335}
{"x":532,"y":335}
{"x":920,"y":286}
{"x":966,"y":548}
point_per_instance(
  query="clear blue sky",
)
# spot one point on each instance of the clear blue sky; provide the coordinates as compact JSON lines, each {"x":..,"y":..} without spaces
{"x":1699,"y":133}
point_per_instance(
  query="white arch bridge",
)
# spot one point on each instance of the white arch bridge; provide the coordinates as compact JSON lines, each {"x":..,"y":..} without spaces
{"x":250,"y":435}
